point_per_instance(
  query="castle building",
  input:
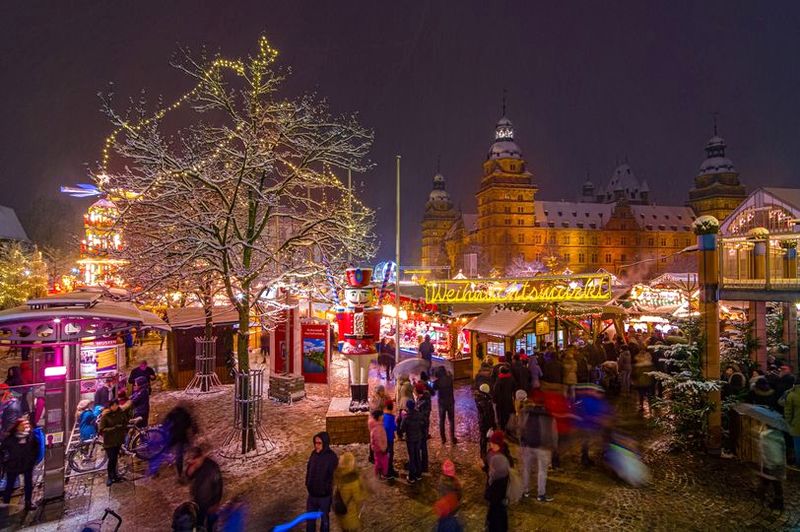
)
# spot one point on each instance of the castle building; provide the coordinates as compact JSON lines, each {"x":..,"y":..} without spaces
{"x":614,"y":227}
{"x":717,"y":190}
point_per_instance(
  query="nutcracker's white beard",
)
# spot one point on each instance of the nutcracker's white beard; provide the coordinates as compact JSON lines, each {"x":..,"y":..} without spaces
{"x":359,"y":368}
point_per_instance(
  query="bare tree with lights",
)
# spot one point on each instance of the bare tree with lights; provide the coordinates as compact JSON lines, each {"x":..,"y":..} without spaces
{"x":244,"y":184}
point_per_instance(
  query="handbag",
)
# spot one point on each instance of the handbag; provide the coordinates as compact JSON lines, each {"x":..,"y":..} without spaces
{"x":339,"y":507}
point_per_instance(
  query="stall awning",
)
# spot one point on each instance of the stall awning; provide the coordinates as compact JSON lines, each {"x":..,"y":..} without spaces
{"x":188,"y":317}
{"x":501,"y":322}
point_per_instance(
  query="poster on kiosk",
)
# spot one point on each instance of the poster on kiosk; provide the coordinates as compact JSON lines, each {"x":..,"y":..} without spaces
{"x":315,"y":338}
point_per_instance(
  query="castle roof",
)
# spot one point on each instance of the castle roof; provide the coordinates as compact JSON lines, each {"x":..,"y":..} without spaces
{"x":10,"y":228}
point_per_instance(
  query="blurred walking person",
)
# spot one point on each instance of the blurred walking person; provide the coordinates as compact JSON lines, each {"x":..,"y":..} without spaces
{"x":19,"y":457}
{"x":497,"y":483}
{"x":450,"y":494}
{"x":206,"y":485}
{"x":352,"y":493}
{"x":538,"y":440}
{"x":503,"y":397}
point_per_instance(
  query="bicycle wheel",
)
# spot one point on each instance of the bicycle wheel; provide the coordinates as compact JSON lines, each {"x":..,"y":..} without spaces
{"x":87,"y":456}
{"x":148,"y":443}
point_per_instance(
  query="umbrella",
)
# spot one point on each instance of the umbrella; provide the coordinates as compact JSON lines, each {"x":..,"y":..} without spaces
{"x":764,"y":415}
{"x":409,"y":366}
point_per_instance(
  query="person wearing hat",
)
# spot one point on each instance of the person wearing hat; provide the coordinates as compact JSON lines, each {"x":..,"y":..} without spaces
{"x":499,"y":468}
{"x":763,"y":394}
{"x":352,"y":492}
{"x":486,"y":417}
{"x":422,"y":401}
{"x":140,"y":399}
{"x":449,"y":501}
{"x":413,"y":427}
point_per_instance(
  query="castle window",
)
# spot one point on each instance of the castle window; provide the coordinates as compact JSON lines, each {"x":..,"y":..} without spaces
{"x":685,"y":241}
{"x":566,"y":257}
{"x":623,"y":257}
{"x":565,"y":240}
{"x":594,"y":237}
{"x":520,"y":198}
{"x":581,"y":257}
{"x":520,"y":222}
{"x":508,"y":221}
{"x":608,"y":240}
{"x":520,"y":238}
{"x":594,"y":258}
{"x":537,"y":239}
{"x":651,"y":241}
{"x":552,"y":239}
{"x":608,"y":258}
{"x":623,"y":241}
{"x":663,"y":242}
{"x":674,"y":242}
{"x":581,"y":240}
{"x":538,"y":257}
{"x":521,"y":210}
{"x":507,"y":210}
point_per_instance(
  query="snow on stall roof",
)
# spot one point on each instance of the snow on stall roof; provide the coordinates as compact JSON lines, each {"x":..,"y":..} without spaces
{"x":500,"y":322}
{"x":10,"y":227}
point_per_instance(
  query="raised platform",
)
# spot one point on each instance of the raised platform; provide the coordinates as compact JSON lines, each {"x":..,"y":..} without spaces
{"x":287,"y":388}
{"x":343,"y":426}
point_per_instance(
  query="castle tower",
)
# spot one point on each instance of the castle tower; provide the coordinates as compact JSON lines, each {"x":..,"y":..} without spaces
{"x":505,"y":201}
{"x":717,"y":190}
{"x":438,"y":218}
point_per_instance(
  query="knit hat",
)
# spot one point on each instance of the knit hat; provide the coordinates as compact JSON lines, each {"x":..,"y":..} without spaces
{"x":520,"y":395}
{"x":449,"y":468}
{"x":498,"y":438}
{"x":484,"y":388}
{"x":420,"y":387}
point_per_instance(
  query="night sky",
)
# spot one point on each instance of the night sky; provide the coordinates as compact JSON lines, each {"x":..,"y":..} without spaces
{"x":587,"y":85}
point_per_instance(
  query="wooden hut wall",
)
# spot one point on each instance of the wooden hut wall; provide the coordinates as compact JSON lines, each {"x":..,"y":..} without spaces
{"x":181,"y":354}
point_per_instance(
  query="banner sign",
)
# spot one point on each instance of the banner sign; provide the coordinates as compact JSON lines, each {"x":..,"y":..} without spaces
{"x":578,"y":288}
{"x":315,"y":337}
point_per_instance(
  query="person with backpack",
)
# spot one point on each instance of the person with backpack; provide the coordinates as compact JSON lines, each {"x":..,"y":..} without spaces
{"x":538,"y":440}
{"x":499,"y":470}
{"x":320,"y":470}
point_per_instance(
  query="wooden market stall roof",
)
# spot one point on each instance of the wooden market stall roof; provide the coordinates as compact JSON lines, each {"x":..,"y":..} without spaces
{"x":501,"y":322}
{"x":188,"y":317}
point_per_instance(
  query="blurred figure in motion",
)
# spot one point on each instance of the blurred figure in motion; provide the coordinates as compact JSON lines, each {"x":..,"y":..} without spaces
{"x":623,"y":458}
{"x":772,"y":467}
{"x":206,"y":486}
{"x":184,"y":518}
{"x":352,"y":493}
{"x":538,"y":439}
{"x":181,"y":429}
{"x":19,"y":456}
{"x":498,"y":471}
{"x":593,"y":417}
{"x":450,"y":493}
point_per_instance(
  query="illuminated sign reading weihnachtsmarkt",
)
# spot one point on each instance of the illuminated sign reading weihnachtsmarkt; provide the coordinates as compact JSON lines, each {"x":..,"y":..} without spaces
{"x":540,"y":289}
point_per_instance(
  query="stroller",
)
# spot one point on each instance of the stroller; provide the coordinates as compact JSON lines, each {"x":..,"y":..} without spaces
{"x":609,"y":378}
{"x":96,"y":525}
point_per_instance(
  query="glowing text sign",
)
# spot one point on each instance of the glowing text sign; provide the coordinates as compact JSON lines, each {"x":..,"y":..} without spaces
{"x":580,"y":288}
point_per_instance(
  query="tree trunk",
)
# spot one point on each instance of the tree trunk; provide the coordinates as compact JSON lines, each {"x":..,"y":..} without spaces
{"x":243,"y":355}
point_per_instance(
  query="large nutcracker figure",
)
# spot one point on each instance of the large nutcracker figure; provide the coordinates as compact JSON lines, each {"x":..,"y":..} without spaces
{"x":359,"y":329}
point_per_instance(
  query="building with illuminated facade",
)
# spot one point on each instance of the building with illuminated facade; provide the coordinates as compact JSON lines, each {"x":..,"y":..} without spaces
{"x":614,"y":227}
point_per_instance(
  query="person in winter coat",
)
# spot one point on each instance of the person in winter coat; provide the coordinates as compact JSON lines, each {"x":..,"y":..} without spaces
{"x":486,"y":417}
{"x":140,"y":400}
{"x":142,"y":370}
{"x":443,"y":385}
{"x":181,"y":428}
{"x":405,"y":392}
{"x":642,"y":381}
{"x":570,"y":375}
{"x":87,"y":421}
{"x":553,"y":372}
{"x":625,"y":366}
{"x":503,"y":397}
{"x":10,"y":411}
{"x":538,"y":440}
{"x":320,"y":469}
{"x":773,"y":466}
{"x":791,"y":413}
{"x":422,"y":400}
{"x":484,"y":375}
{"x":450,"y":494}
{"x":105,"y":392}
{"x":379,"y":444}
{"x":522,"y":376}
{"x":17,"y":384}
{"x":413,"y":427}
{"x":206,"y":485}
{"x":113,"y":427}
{"x":497,"y":483}
{"x":348,"y":484}
{"x":535,"y":373}
{"x":20,"y":450}
{"x":390,"y":426}
{"x":763,"y":394}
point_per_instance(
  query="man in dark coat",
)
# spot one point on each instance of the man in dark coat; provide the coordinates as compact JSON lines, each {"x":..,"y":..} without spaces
{"x":142,"y":370}
{"x":113,"y":427}
{"x":552,"y":371}
{"x":105,"y":392}
{"x":206,"y":487}
{"x":422,"y":400}
{"x":319,"y":480}
{"x":10,"y":411}
{"x":447,"y":402}
{"x":413,"y":427}
{"x":521,"y":373}
{"x":426,"y":350}
{"x":140,"y":399}
{"x":503,"y":397}
{"x":486,"y":418}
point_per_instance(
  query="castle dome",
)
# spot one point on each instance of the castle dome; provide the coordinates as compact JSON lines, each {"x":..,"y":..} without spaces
{"x":504,"y":146}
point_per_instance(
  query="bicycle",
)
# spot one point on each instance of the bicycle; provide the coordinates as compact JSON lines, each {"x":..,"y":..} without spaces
{"x":142,"y":442}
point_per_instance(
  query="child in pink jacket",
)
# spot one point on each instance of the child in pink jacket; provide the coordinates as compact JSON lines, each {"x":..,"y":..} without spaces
{"x":379,"y":444}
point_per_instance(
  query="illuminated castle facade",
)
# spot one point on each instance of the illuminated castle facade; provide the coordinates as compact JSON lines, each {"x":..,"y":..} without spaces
{"x":100,"y":240}
{"x":613,"y":227}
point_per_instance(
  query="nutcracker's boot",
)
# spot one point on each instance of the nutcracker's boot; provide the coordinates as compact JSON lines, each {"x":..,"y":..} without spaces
{"x":354,"y":398}
{"x":364,"y":398}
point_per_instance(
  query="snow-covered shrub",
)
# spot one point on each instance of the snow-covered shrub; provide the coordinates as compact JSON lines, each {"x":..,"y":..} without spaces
{"x":758,"y":233}
{"x":705,"y":225}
